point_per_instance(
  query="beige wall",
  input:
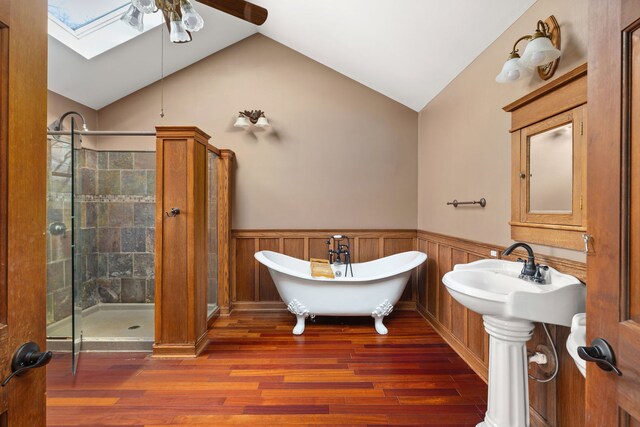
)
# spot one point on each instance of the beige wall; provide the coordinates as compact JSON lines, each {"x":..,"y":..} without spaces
{"x":464,"y":141}
{"x":338,"y":154}
{"x":57,"y":105}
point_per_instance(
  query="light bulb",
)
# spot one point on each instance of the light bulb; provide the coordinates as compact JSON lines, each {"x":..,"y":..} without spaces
{"x":178,"y":32}
{"x":540,"y":51}
{"x":133,"y":17}
{"x":262,"y":122}
{"x":190,"y":17}
{"x":241,"y":122}
{"x":537,"y":57}
{"x":513,"y":70}
{"x":144,"y":6}
{"x":513,"y":75}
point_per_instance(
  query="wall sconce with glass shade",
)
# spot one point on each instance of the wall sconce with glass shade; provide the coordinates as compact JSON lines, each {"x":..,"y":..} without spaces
{"x":180,"y":16}
{"x":255,"y":117}
{"x":541,"y":53}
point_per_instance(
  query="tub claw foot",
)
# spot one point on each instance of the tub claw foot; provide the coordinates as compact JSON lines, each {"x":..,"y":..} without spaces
{"x":380,"y":328}
{"x":379,"y":314}
{"x":301,"y":313}
{"x":299,"y":328}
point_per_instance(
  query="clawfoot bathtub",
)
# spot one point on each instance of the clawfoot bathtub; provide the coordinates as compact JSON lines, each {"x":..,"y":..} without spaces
{"x":376,"y":286}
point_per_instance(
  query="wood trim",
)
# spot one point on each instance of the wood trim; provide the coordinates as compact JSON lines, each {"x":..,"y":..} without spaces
{"x":4,"y":162}
{"x":572,"y":84}
{"x":213,"y":317}
{"x":323,"y":233}
{"x":213,"y":149}
{"x":549,"y":226}
{"x":471,"y":246}
{"x":568,"y":238}
{"x":518,"y":184}
{"x":225,"y":243}
{"x":158,"y":264}
{"x":183,"y":132}
{"x":180,"y":351}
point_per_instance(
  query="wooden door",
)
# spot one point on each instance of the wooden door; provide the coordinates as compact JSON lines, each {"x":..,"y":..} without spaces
{"x":23,"y":92}
{"x":613,"y":268}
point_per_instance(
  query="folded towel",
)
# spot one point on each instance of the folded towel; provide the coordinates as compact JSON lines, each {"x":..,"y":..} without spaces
{"x":321,"y":268}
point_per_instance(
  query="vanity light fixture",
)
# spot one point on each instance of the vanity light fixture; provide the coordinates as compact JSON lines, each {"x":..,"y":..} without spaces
{"x":541,"y":53}
{"x":255,"y":117}
{"x":180,"y":16}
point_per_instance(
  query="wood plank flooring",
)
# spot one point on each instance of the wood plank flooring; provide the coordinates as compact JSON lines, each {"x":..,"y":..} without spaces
{"x":340,"y":372}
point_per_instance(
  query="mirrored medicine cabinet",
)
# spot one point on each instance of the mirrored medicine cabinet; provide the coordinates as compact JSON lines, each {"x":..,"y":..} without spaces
{"x":548,"y":163}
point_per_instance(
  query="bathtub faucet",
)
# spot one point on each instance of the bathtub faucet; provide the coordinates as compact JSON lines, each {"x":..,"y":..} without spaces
{"x":341,"y":253}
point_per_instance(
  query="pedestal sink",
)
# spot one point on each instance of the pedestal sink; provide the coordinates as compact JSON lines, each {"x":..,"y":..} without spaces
{"x":509,"y":306}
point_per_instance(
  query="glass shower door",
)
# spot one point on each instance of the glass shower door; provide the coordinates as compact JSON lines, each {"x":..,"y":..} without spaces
{"x":63,"y":294}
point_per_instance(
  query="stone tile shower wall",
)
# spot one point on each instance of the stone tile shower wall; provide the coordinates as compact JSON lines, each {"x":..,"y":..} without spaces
{"x":59,"y":278}
{"x":86,"y":227}
{"x":115,"y":228}
{"x":124,"y":209}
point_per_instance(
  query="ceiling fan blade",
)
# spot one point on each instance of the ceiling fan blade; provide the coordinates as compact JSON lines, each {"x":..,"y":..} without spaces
{"x":240,"y":9}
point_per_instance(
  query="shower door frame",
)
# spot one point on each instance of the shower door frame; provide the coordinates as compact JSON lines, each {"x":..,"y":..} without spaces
{"x":76,"y":301}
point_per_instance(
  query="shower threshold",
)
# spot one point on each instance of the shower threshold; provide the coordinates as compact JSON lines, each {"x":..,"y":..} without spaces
{"x":107,"y":327}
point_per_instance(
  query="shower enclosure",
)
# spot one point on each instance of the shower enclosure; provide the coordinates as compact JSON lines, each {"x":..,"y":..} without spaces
{"x":101,"y":244}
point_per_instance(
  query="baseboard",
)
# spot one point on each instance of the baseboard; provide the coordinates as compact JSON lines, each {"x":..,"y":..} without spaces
{"x":180,"y":351}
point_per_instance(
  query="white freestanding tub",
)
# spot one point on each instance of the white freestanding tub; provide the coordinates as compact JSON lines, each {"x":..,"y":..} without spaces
{"x":372,"y":291}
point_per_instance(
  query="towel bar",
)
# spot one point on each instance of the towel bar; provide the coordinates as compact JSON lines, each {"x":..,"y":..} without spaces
{"x":482,"y":202}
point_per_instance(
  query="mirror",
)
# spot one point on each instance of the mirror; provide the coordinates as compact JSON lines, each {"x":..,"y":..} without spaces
{"x":551,"y":171}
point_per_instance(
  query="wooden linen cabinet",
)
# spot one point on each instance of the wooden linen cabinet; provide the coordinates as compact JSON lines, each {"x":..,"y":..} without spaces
{"x":182,"y":210}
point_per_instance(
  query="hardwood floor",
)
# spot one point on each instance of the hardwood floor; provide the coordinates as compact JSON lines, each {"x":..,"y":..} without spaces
{"x":340,"y":372}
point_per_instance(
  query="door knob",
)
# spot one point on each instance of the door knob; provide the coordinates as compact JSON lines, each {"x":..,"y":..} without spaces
{"x":601,"y":353}
{"x":28,"y":356}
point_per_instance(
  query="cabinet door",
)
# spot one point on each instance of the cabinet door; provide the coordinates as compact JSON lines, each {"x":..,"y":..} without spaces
{"x":552,"y":165}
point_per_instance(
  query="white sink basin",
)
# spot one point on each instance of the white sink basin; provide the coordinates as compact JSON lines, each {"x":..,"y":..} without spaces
{"x":492,"y":287}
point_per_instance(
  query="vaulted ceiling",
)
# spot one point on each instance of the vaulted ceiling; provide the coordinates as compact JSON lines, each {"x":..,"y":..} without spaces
{"x":408,"y":50}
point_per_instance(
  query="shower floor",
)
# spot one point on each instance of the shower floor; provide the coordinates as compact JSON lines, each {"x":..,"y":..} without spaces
{"x":108,"y":327}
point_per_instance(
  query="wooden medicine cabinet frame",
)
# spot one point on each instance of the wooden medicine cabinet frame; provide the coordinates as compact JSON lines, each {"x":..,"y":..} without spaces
{"x":556,"y":104}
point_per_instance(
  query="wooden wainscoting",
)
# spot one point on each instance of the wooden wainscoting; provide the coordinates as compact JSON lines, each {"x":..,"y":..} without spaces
{"x":251,"y":284}
{"x":557,"y":403}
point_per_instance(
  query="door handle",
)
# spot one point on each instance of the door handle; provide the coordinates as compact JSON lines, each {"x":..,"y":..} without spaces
{"x":601,"y":353}
{"x":28,"y":356}
{"x":174,"y":212}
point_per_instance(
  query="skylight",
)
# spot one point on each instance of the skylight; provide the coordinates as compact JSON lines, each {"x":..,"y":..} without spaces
{"x":78,"y":14}
{"x":91,"y":27}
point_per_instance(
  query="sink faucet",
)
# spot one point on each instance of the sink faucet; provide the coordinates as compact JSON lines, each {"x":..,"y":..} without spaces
{"x":343,"y":250}
{"x":530,"y":271}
